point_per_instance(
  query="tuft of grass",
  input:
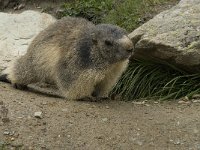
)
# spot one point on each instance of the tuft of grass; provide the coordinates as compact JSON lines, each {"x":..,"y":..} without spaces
{"x":145,"y":79}
{"x":129,"y":14}
{"x":90,"y":9}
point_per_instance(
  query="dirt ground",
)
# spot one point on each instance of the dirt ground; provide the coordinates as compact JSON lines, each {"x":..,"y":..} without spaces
{"x":109,"y":125}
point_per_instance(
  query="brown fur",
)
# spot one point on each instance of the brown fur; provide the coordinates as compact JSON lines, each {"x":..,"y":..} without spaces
{"x":73,"y":55}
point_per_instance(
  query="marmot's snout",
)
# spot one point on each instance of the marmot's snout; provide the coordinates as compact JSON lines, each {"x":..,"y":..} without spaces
{"x":127,"y":45}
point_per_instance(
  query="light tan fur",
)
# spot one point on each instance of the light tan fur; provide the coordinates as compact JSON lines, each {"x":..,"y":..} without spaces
{"x":89,"y":79}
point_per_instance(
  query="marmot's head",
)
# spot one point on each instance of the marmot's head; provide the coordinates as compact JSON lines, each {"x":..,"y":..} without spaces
{"x":112,"y":42}
{"x":103,"y":43}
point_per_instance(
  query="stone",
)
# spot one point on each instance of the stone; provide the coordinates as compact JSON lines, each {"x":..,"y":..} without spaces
{"x":183,"y":102}
{"x":38,"y":114}
{"x":196,"y":101}
{"x":107,"y":107}
{"x":196,"y":96}
{"x":104,"y":119}
{"x":17,"y":31}
{"x":6,"y":132}
{"x":138,"y":103}
{"x":172,"y":36}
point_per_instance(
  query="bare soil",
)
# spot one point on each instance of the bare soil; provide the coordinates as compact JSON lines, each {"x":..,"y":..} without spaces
{"x":109,"y":125}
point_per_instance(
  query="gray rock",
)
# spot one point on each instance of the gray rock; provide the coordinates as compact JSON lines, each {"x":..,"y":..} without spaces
{"x":38,"y":114}
{"x":6,"y":132}
{"x":172,"y":36}
{"x":196,"y":96}
{"x":104,"y":119}
{"x":17,"y":31}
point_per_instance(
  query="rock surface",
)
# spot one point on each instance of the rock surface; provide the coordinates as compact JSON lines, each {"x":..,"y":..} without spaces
{"x":17,"y":31}
{"x":172,"y":36}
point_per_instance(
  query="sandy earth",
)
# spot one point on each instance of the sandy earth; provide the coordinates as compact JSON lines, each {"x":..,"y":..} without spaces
{"x":109,"y":125}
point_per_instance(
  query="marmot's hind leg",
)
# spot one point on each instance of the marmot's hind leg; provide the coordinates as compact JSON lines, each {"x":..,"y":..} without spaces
{"x":20,"y":74}
{"x":4,"y":78}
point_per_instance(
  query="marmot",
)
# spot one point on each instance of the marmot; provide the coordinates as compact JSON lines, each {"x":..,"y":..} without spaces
{"x":80,"y":58}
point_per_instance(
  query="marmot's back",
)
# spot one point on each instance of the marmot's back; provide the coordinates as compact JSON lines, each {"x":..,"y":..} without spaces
{"x":57,"y":41}
{"x":63,"y":33}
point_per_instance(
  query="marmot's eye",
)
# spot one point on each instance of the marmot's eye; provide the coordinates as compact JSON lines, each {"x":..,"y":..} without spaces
{"x":129,"y":50}
{"x":109,"y":43}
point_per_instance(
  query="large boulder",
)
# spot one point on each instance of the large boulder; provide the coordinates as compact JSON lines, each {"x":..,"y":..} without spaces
{"x":17,"y":31}
{"x":172,"y":36}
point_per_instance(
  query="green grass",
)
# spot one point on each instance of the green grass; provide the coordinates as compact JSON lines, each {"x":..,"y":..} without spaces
{"x":90,"y":9}
{"x":125,"y":13}
{"x":156,"y":80}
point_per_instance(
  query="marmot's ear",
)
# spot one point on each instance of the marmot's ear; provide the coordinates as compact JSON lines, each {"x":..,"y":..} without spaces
{"x":94,"y":38}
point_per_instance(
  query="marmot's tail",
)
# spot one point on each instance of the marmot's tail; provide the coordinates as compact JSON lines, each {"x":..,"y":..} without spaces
{"x":4,"y":78}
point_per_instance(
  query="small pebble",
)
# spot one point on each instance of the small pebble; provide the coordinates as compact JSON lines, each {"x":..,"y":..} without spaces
{"x":139,"y":103}
{"x":105,"y":119}
{"x":12,"y":133}
{"x":196,"y":96}
{"x":107,"y":107}
{"x":44,"y":103}
{"x":178,"y":123}
{"x":6,"y":132}
{"x":177,"y":142}
{"x":140,"y":143}
{"x":186,"y":98}
{"x":183,"y":102}
{"x":38,"y":114}
{"x":19,"y":117}
{"x":196,"y":131}
{"x":196,"y":101}
{"x":65,"y":110}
